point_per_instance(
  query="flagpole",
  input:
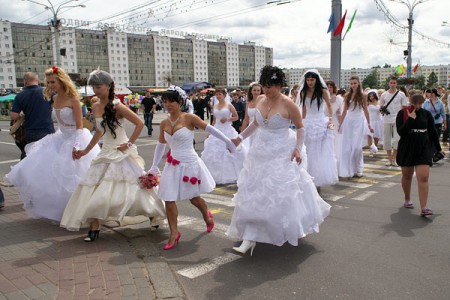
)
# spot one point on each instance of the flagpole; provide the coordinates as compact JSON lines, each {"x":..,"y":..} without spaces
{"x":335,"y":53}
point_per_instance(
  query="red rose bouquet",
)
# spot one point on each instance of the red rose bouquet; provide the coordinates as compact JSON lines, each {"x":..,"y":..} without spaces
{"x":148,"y":181}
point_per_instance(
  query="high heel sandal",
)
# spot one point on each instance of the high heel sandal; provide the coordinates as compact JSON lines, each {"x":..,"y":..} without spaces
{"x":171,"y":246}
{"x":92,"y":235}
{"x":210,"y":227}
{"x":243,"y":248}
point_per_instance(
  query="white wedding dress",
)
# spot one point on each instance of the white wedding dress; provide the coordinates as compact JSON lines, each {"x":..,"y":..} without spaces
{"x":276,"y":201}
{"x":223,"y":165}
{"x":48,"y":176}
{"x":110,"y":188}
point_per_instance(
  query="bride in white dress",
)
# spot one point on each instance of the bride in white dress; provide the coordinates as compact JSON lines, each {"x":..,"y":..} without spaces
{"x":49,"y":174}
{"x":276,"y":201}
{"x":254,"y":90}
{"x":110,"y":188}
{"x":314,"y":101}
{"x":223,"y":165}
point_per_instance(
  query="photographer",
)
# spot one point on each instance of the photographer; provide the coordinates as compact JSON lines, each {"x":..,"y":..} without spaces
{"x":392,"y":101}
{"x":437,"y":110}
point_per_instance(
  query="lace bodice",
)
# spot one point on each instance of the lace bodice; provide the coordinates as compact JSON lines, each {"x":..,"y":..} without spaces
{"x":221,"y":113}
{"x":275,"y":121}
{"x":374,"y":112}
{"x":108,"y":139}
{"x":312,"y":110}
{"x":181,"y":145}
{"x":251,"y":114}
{"x":66,"y":120}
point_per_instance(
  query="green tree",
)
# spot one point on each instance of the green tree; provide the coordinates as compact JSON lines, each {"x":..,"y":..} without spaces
{"x":432,"y":80}
{"x":387,"y":66}
{"x":371,"y":80}
{"x":420,"y":82}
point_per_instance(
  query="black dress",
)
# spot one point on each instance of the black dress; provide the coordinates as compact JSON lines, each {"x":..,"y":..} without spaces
{"x":417,"y":136}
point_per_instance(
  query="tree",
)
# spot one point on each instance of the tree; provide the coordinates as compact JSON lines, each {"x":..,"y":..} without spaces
{"x":371,"y":80}
{"x":432,"y":80}
{"x":386,"y":66}
{"x":420,"y":82}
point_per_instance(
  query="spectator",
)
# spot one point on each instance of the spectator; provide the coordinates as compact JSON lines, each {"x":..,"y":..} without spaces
{"x":38,"y":111}
{"x":240,"y":109}
{"x":148,"y":105}
{"x":437,"y":110}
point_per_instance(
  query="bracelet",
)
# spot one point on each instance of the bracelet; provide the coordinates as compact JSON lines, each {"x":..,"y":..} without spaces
{"x":129,"y":145}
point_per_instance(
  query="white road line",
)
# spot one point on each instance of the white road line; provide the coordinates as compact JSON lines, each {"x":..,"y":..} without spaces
{"x":374,"y":166}
{"x":199,"y":225}
{"x":198,"y":270}
{"x":6,"y":143}
{"x":9,"y":161}
{"x":333,"y":198}
{"x":357,"y":185}
{"x":375,"y":175}
{"x":218,"y":199}
{"x":365,"y":195}
{"x":388,"y":184}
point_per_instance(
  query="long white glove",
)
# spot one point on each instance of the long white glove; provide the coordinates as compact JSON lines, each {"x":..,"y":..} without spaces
{"x":159,"y":152}
{"x":78,"y":135}
{"x":300,"y":138}
{"x":218,"y":134}
{"x":248,"y":131}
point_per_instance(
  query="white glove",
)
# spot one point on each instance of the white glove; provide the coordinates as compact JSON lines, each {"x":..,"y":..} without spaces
{"x":248,"y":131}
{"x":157,"y":156}
{"x":218,"y":134}
{"x":78,"y":135}
{"x":300,"y":139}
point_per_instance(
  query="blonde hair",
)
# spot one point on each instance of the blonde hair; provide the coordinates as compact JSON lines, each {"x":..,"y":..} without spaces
{"x":66,"y":83}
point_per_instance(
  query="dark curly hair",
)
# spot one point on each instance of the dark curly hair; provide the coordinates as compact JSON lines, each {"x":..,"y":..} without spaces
{"x":317,"y":93}
{"x":172,"y":96}
{"x":109,"y":116}
{"x":271,"y":75}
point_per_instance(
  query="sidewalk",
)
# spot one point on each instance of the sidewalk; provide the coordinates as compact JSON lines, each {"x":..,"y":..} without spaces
{"x":40,"y":260}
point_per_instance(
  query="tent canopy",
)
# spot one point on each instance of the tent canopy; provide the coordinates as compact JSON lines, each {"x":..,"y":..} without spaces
{"x":88,"y":91}
{"x":8,"y":98}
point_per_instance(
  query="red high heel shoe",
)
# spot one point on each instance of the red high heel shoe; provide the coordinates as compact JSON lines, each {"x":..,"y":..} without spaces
{"x":210,"y":227}
{"x":171,"y":246}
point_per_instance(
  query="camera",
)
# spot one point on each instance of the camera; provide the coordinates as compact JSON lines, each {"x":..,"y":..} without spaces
{"x":384,"y":111}
{"x":436,"y":117}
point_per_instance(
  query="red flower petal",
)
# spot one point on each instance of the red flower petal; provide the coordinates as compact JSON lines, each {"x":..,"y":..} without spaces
{"x":185,"y":178}
{"x":193,"y":180}
{"x":199,"y":181}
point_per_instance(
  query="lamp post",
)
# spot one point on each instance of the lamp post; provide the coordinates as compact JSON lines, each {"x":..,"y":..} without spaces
{"x":411,"y":7}
{"x":55,"y":23}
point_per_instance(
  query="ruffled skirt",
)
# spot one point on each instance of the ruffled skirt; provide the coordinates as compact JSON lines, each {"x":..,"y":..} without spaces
{"x":319,"y":141}
{"x":223,"y":165}
{"x":48,"y":176}
{"x":110,"y":191}
{"x":276,"y":201}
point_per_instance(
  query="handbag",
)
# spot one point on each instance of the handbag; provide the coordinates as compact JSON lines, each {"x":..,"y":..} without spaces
{"x":17,"y":130}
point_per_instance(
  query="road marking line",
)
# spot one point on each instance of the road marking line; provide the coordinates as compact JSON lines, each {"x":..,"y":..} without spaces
{"x":9,"y":161}
{"x":198,"y":270}
{"x":197,"y":224}
{"x":218,"y":199}
{"x":365,"y":195}
{"x":332,"y":198}
{"x":354,"y":184}
{"x":225,"y":191}
{"x":6,"y":143}
{"x":388,"y":184}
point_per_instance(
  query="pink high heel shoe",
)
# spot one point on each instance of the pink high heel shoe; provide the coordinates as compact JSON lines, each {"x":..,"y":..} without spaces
{"x":210,"y":227}
{"x":171,"y":246}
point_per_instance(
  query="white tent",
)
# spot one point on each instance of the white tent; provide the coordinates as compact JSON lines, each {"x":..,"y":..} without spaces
{"x":118,"y":90}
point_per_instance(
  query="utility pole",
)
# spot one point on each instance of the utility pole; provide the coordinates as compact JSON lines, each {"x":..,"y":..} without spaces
{"x":335,"y":57}
{"x":410,"y":28}
{"x":56,"y":24}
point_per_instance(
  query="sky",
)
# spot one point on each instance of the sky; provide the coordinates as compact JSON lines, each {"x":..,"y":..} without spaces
{"x":297,"y":31}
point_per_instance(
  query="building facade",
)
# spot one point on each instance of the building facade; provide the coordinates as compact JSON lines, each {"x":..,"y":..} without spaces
{"x":132,"y":59}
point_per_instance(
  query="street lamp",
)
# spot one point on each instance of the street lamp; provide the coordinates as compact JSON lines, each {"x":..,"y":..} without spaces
{"x":55,"y":23}
{"x":410,"y":27}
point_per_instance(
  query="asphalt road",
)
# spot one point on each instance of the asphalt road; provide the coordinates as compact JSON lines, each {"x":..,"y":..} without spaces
{"x":370,"y":247}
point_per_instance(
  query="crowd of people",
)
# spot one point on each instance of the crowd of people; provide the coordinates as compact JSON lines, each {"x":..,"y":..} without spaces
{"x":280,"y":150}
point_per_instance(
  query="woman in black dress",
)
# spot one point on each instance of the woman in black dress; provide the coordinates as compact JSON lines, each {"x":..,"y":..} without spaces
{"x":418,"y":135}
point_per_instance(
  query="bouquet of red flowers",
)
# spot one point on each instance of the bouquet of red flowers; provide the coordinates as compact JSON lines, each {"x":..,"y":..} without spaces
{"x":148,"y":181}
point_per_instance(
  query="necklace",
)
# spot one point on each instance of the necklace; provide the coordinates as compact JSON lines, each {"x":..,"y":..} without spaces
{"x":266,"y":120}
{"x":173,"y":122}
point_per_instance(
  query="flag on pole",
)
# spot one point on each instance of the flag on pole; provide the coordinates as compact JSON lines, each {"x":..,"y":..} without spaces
{"x":340,"y":26}
{"x":350,"y":25}
{"x":331,"y":27}
{"x":416,"y":67}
